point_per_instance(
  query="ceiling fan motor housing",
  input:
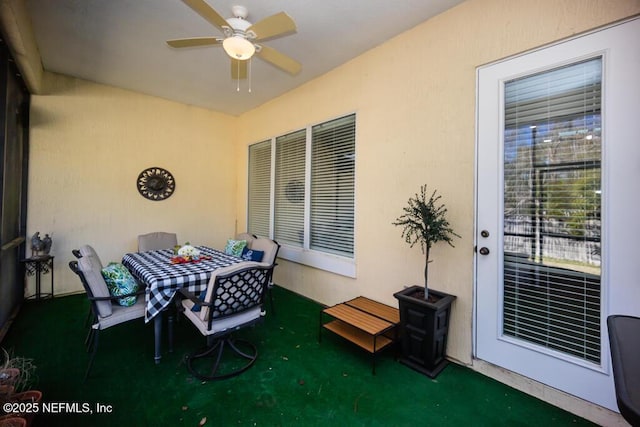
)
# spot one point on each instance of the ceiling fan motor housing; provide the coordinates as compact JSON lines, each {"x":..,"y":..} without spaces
{"x":240,"y":11}
{"x":238,"y":27}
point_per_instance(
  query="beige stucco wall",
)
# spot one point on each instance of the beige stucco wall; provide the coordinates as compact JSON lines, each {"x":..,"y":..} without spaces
{"x":415,"y":102}
{"x":89,"y":142}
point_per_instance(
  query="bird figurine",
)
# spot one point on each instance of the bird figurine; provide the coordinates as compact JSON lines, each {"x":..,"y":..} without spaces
{"x":46,"y":244}
{"x":36,"y":244}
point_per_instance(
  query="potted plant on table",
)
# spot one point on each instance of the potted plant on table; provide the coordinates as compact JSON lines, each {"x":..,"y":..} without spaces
{"x":424,"y":313}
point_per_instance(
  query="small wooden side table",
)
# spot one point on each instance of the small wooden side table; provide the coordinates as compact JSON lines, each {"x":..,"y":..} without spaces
{"x":369,"y":324}
{"x":36,"y":266}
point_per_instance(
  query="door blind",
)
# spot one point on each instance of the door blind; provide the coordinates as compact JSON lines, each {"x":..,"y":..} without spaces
{"x":552,"y":228}
{"x":332,"y":186}
{"x":259,"y":188}
{"x":289,"y":188}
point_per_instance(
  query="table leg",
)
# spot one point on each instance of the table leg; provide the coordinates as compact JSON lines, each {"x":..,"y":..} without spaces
{"x":157,"y":331}
{"x":51,"y":278}
{"x":38,"y":273}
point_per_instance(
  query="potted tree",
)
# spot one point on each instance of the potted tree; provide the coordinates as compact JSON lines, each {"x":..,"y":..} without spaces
{"x":424,"y":313}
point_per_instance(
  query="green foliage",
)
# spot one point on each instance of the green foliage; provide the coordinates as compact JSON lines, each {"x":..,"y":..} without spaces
{"x":556,"y":178}
{"x":425,"y":222}
{"x":574,"y":200}
{"x":25,"y":374}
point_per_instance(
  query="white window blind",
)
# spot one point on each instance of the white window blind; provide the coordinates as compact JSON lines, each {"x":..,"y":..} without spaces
{"x":552,"y":209}
{"x":302,"y":194}
{"x":259,"y":188}
{"x":333,"y":186}
{"x":290,"y":188}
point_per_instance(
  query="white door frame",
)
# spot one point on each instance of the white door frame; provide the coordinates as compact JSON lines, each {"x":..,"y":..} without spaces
{"x":620,"y":228}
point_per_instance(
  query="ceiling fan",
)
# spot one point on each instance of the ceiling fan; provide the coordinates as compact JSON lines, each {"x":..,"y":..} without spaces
{"x":242,"y":38}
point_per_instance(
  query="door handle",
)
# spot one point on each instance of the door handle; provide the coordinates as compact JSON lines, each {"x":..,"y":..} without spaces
{"x":484,"y":251}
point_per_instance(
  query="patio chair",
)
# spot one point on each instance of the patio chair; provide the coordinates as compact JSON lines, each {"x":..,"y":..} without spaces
{"x":270,"y":249}
{"x":233,"y":300}
{"x":157,"y":240}
{"x":246,"y":236}
{"x":625,"y":348}
{"x":105,"y":314}
{"x":86,"y":250}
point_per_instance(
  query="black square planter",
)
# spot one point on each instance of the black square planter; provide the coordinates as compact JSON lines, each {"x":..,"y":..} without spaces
{"x":424,"y":327}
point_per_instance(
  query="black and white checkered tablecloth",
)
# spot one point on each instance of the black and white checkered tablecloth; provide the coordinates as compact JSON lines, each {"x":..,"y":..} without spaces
{"x":163,"y":279}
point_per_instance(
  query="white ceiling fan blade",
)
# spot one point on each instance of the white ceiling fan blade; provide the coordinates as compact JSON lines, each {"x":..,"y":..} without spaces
{"x":194,"y":42}
{"x":207,"y":12}
{"x":238,"y":69}
{"x":280,"y":60}
{"x":276,"y":25}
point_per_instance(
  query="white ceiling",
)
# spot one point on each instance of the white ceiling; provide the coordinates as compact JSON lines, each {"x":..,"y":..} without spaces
{"x":122,"y":43}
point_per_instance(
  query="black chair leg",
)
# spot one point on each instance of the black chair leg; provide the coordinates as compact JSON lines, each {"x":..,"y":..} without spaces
{"x":91,"y":320}
{"x":89,"y":317}
{"x":88,"y":341}
{"x":270,"y":290}
{"x":216,"y":364}
{"x":94,"y":350}
{"x":217,"y":351}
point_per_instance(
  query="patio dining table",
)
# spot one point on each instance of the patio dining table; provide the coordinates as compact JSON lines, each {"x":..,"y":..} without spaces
{"x":163,"y":278}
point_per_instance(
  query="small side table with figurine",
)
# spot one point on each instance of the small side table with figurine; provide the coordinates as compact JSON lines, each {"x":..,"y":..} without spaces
{"x":39,"y":263}
{"x":37,"y":266}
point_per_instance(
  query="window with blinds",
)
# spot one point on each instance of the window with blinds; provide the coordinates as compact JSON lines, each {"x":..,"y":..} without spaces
{"x":289,"y":188}
{"x":259,"y":203}
{"x":333,"y":186}
{"x":313,"y":198}
{"x":552,"y":227}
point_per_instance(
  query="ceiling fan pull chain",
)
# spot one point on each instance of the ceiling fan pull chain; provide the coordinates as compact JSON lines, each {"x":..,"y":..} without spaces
{"x":238,"y":81}
{"x":250,"y":75}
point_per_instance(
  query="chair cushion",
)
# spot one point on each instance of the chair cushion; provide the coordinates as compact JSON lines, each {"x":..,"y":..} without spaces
{"x":86,"y":250}
{"x":198,"y":307}
{"x":235,"y":247}
{"x":120,"y":282}
{"x":246,"y":236}
{"x":122,"y":314}
{"x":252,"y":255}
{"x":92,"y":271}
{"x":269,"y":247}
{"x":220,"y":325}
{"x":156,"y":241}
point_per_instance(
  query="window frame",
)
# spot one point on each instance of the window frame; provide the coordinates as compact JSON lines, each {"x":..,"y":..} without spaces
{"x":331,"y":262}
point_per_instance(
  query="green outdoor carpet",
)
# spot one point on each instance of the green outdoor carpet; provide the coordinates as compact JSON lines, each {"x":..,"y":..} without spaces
{"x":296,"y":380}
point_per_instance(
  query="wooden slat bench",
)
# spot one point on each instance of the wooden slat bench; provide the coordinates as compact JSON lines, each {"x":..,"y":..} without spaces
{"x":369,"y":324}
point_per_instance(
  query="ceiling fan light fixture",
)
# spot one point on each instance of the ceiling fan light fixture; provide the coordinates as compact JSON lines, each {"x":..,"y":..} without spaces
{"x":240,"y":35}
{"x":237,"y":47}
